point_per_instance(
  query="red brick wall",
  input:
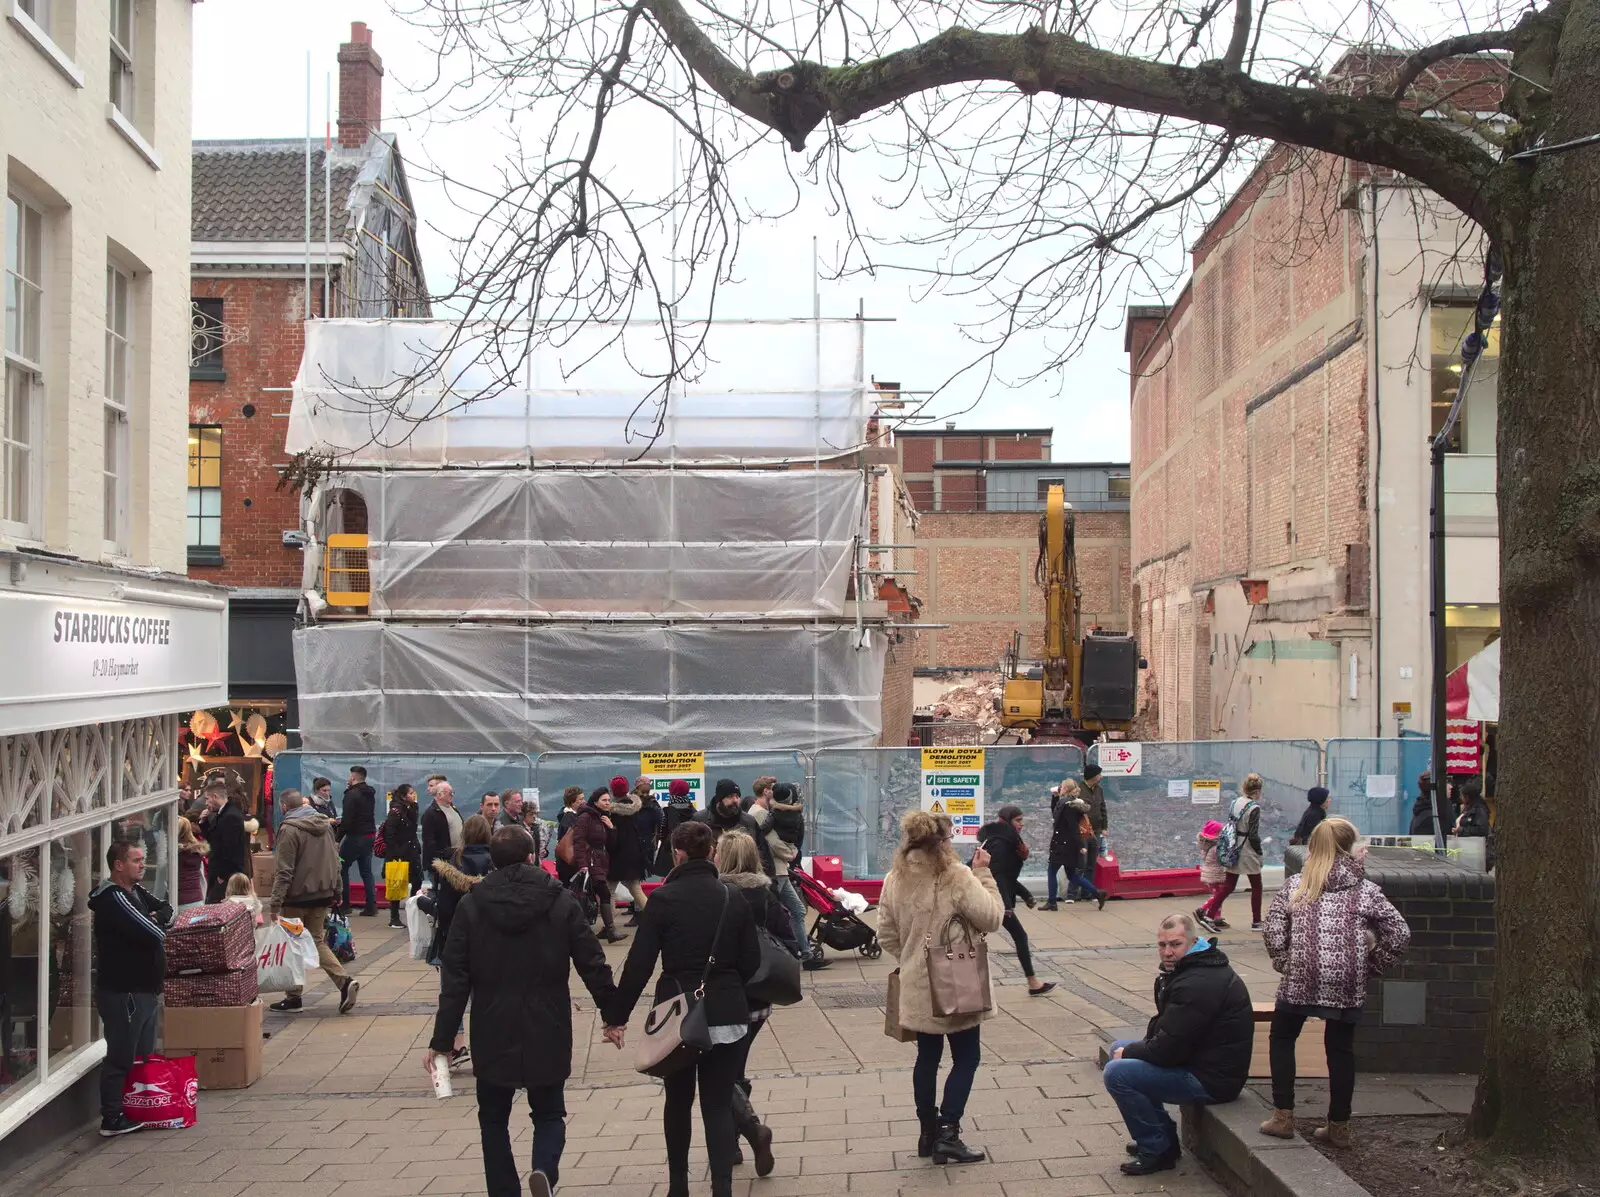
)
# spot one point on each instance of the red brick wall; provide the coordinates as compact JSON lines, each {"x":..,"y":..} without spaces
{"x":916,"y":453}
{"x":1220,"y":494}
{"x":898,"y":702}
{"x":255,"y":513}
{"x":1028,"y":448}
{"x":975,"y":572}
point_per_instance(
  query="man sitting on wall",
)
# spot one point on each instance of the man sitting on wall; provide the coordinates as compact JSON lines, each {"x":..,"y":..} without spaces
{"x":1196,"y":1049}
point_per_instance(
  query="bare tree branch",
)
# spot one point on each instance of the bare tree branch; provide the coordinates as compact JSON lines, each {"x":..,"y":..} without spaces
{"x":1366,"y":128}
{"x":1233,"y":60}
{"x":1452,"y":47}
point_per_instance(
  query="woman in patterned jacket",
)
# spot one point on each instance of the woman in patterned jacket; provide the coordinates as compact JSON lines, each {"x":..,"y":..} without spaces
{"x":1328,"y":930}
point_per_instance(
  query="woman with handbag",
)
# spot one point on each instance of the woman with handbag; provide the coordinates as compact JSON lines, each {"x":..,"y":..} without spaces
{"x":739,"y":863}
{"x":706,"y":939}
{"x":927,"y":890}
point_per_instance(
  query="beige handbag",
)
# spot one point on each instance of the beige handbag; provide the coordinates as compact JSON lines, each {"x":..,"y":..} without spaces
{"x":958,"y":970}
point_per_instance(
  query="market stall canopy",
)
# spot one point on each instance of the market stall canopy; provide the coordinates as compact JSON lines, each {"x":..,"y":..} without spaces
{"x":1472,"y":691}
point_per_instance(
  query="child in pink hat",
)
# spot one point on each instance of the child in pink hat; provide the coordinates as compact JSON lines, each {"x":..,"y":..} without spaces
{"x":1211,"y":871}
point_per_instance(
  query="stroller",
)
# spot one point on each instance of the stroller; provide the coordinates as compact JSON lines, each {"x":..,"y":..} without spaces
{"x":835,"y":926}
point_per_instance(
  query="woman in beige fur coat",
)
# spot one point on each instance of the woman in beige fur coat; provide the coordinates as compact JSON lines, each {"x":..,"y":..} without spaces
{"x":925,"y":887}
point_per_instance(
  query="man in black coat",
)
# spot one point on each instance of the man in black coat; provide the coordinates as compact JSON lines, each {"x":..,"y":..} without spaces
{"x":358,"y":827}
{"x":511,"y":943}
{"x":1196,"y":1049}
{"x":727,"y":813}
{"x":230,"y":844}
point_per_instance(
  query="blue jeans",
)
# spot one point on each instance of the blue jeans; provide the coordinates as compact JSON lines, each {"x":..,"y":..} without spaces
{"x":357,"y":850}
{"x":547,"y":1110}
{"x":965,"y":1053}
{"x":1142,"y":1090}
{"x":1078,"y":884}
{"x":797,"y":912}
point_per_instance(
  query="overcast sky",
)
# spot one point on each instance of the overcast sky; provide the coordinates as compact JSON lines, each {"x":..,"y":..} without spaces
{"x":250,"y":82}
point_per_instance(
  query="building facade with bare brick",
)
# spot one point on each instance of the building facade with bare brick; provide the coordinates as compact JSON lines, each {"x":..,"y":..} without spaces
{"x":978,"y":495}
{"x":1282,"y":409}
{"x":258,"y":273}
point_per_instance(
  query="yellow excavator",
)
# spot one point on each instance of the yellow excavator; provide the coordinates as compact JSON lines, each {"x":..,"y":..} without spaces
{"x":1086,"y":684}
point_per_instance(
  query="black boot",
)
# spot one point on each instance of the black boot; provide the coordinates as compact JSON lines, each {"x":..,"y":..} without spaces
{"x":749,"y":1127}
{"x":930,"y":1132}
{"x":949,"y":1149}
{"x":677,"y":1184}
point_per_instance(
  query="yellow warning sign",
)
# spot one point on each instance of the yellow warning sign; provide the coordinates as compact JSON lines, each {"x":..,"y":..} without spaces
{"x":936,"y":809}
{"x":952,"y":758}
{"x":670,"y":763}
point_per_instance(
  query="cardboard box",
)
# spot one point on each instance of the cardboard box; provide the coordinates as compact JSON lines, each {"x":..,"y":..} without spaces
{"x":263,"y":870}
{"x":196,"y":1028}
{"x":224,"y":1040}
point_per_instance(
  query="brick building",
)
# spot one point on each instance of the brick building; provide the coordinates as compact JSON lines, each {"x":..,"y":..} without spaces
{"x":1282,"y":407}
{"x":249,"y":287}
{"x":978,"y":495}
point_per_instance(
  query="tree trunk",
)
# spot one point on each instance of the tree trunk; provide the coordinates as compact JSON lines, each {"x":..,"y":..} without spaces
{"x":1539,"y":1092}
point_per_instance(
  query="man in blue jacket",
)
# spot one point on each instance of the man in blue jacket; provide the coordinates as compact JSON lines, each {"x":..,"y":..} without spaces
{"x":130,"y":933}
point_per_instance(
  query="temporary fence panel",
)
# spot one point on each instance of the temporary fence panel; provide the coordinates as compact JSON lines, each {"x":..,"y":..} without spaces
{"x":386,"y":392}
{"x":1373,"y":783}
{"x":556,"y":771}
{"x":588,"y":687}
{"x":471,"y":775}
{"x":647,"y":542}
{"x":1153,"y":818}
{"x":861,"y":794}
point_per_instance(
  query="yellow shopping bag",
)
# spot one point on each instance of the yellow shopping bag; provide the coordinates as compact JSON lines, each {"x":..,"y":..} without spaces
{"x":396,"y":880}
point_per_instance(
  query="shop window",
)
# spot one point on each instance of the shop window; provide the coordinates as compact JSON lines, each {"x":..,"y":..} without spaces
{"x":20,"y":945}
{"x":205,"y":492}
{"x":76,"y":867}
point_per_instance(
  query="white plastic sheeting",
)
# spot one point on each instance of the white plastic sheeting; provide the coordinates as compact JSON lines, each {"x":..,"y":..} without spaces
{"x":512,"y":544}
{"x":381,"y":392}
{"x":587,"y":687}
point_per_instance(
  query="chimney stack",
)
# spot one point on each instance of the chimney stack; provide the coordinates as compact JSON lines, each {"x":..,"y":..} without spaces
{"x":360,"y":88}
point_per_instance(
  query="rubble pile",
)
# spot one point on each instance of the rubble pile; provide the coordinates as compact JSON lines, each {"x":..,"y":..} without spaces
{"x":972,"y":700}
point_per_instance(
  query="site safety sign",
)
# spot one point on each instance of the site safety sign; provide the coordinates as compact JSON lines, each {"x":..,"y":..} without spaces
{"x":952,"y":784}
{"x":663,"y":768}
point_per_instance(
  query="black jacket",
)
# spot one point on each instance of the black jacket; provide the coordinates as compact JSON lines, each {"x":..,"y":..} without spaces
{"x":766,"y":908}
{"x":789,"y":822}
{"x":1422,"y":814}
{"x":676,"y":812}
{"x":509,"y":949}
{"x":1204,"y":1023}
{"x":230,"y":849}
{"x":130,"y":934}
{"x":1002,"y":842}
{"x":400,"y":831}
{"x":719,"y":822}
{"x":1314,"y":814}
{"x":678,"y":925}
{"x":360,"y":811}
{"x":435,"y":830}
{"x":1066,"y":842}
{"x":629,"y":861}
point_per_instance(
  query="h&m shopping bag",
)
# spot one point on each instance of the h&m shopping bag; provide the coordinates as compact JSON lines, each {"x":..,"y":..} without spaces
{"x":280,"y":964}
{"x":161,"y":1091}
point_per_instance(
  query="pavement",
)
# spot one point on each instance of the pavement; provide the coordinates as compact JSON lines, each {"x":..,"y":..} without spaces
{"x":344,"y":1108}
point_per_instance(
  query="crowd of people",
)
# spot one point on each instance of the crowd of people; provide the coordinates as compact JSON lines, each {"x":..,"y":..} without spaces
{"x":516,"y":911}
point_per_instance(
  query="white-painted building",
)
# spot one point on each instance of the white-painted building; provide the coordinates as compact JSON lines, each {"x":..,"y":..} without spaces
{"x":105,"y":644}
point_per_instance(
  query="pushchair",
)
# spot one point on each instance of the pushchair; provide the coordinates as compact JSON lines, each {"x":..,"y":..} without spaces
{"x":835,"y":926}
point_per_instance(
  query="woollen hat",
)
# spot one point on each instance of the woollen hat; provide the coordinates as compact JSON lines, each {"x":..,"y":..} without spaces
{"x":1317,"y":795}
{"x":1090,"y":772}
{"x":677,"y":788}
{"x":1211,"y":830}
{"x":619,"y":787}
{"x":727,"y":788}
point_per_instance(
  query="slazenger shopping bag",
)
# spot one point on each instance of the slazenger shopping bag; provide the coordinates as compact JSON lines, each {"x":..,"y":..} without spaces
{"x":161,"y":1091}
